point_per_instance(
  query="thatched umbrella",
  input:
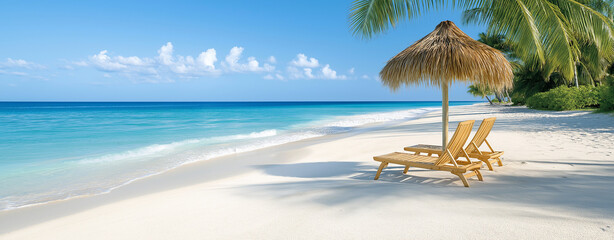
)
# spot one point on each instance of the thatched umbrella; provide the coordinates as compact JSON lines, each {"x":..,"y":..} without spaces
{"x":444,"y":56}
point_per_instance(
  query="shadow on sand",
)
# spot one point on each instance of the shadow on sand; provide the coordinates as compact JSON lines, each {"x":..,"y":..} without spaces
{"x":352,"y":182}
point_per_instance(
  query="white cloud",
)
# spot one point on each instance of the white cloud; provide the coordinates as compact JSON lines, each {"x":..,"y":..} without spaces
{"x":103,"y":62}
{"x":163,"y":67}
{"x":80,"y":63}
{"x":23,"y":68}
{"x":70,"y":65}
{"x":14,"y":73}
{"x":233,"y":56}
{"x":167,"y":65}
{"x":276,"y":76}
{"x":272,"y":59}
{"x":303,"y":61}
{"x":187,"y":65}
{"x":365,"y":76}
{"x":252,"y":64}
{"x":207,"y":59}
{"x":308,"y":72}
{"x":20,"y":63}
{"x":329,"y":73}
{"x":165,"y":54}
{"x":135,"y":61}
{"x":233,"y":63}
{"x":294,"y":73}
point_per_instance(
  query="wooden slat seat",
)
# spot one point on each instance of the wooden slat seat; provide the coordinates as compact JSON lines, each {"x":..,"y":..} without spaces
{"x":421,"y":161}
{"x":486,"y":154}
{"x":400,"y":158}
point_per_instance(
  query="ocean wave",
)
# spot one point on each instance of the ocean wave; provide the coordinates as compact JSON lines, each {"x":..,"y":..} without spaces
{"x":363,"y":119}
{"x":157,"y":149}
{"x":253,"y":145}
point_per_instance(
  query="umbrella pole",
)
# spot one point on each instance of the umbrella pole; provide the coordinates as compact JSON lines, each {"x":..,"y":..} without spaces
{"x":444,"y":117}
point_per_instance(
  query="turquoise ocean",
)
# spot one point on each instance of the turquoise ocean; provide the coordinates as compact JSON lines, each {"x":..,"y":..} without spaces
{"x":57,"y":150}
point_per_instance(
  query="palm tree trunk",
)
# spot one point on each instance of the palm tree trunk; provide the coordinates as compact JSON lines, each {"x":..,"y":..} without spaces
{"x":488,"y":100}
{"x":575,"y":76}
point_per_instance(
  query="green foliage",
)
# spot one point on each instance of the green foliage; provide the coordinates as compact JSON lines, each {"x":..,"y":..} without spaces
{"x":548,"y":42}
{"x":547,"y":32}
{"x":606,"y":96}
{"x":529,"y":79}
{"x":566,"y":98}
{"x":518,"y":99}
{"x":496,"y":41}
{"x":479,"y":90}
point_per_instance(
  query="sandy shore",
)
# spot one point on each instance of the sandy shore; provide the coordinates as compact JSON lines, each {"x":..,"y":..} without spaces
{"x":557,"y":183}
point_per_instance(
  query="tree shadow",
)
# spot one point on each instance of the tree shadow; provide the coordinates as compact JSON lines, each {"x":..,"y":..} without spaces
{"x":313,"y":169}
{"x":582,"y":189}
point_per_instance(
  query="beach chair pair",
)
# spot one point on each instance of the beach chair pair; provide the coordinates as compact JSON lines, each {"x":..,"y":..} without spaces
{"x":449,"y":160}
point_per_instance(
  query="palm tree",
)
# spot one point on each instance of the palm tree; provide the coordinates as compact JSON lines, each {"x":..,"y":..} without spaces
{"x":496,"y":41}
{"x":541,"y":30}
{"x":605,"y":7}
{"x":480,"y":91}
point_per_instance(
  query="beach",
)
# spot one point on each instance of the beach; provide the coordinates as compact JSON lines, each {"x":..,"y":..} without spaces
{"x":556,"y":183}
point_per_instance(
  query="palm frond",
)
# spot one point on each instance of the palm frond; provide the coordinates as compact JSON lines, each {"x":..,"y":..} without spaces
{"x":591,"y":24}
{"x":514,"y":20}
{"x":560,"y":46}
{"x":368,"y":17}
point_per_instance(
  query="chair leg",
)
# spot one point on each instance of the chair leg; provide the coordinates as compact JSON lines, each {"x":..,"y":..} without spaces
{"x":477,"y":173}
{"x":488,"y":164}
{"x":464,"y":179}
{"x":405,"y":170}
{"x":499,"y":162}
{"x":381,"y":167}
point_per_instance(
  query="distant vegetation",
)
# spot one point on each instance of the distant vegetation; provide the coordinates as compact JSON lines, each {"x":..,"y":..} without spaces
{"x":562,"y":50}
{"x":540,"y":86}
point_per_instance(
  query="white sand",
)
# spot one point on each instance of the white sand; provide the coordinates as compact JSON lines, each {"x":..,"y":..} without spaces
{"x":557,"y":183}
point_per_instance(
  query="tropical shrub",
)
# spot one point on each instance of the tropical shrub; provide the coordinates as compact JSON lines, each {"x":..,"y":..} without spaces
{"x":566,"y":98}
{"x":529,"y":80}
{"x":518,"y":99}
{"x":606,"y":96}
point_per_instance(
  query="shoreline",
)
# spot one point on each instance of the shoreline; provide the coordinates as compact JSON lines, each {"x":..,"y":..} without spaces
{"x":266,"y":141}
{"x":189,"y":150}
{"x":340,"y":163}
{"x":143,"y":188}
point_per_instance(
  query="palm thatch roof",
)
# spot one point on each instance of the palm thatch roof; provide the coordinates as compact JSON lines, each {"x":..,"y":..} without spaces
{"x":446,"y":55}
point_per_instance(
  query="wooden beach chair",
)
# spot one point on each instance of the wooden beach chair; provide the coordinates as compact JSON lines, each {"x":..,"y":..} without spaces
{"x":445,"y":162}
{"x":473,"y":149}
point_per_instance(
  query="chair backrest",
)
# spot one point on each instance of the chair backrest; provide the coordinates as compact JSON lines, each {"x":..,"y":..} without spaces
{"x":456,"y":142}
{"x":481,"y":134}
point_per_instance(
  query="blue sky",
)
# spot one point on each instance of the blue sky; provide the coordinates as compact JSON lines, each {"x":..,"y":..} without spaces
{"x":201,"y":51}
